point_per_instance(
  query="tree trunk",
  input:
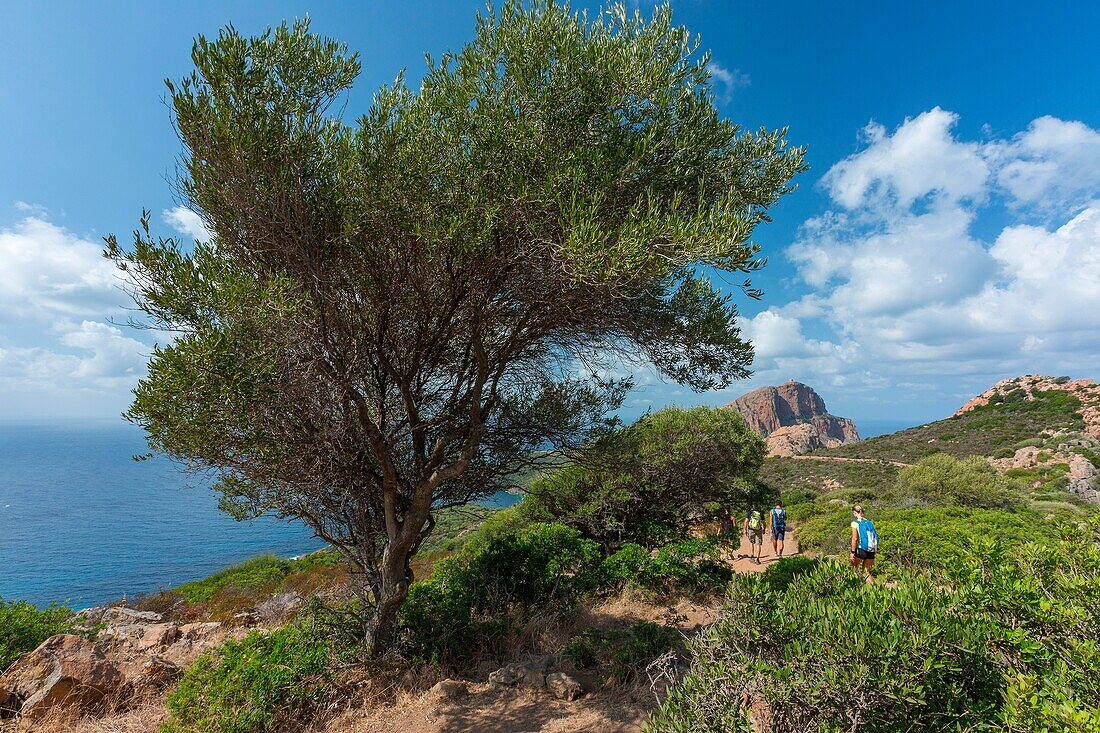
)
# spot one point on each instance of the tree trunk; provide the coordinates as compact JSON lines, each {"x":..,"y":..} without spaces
{"x":394,"y":591}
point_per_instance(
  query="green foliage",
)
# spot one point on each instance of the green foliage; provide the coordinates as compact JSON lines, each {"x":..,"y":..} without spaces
{"x":455,"y":526}
{"x":655,"y":478}
{"x":24,"y":626}
{"x":1007,"y":640}
{"x":262,"y":683}
{"x":622,"y":654}
{"x":485,"y":592}
{"x":693,"y":565}
{"x":255,"y":574}
{"x":923,"y":539}
{"x":985,"y":431}
{"x":782,"y":573}
{"x":796,"y":480}
{"x":361,"y":321}
{"x":941,"y":480}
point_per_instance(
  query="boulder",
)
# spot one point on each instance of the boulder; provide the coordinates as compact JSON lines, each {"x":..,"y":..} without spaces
{"x":122,"y":615}
{"x":65,"y":672}
{"x":1083,"y":478}
{"x":199,"y":631}
{"x":141,"y":637}
{"x":449,"y":690}
{"x":518,"y":675}
{"x":279,"y":607}
{"x":9,"y":703}
{"x":1025,"y":457}
{"x":153,"y":674}
{"x":564,"y":686}
{"x":794,"y":440}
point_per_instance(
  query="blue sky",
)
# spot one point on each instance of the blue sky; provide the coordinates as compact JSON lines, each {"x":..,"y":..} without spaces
{"x":946,"y":236}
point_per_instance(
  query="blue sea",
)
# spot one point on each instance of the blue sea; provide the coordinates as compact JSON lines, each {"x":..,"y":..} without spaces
{"x":82,"y":523}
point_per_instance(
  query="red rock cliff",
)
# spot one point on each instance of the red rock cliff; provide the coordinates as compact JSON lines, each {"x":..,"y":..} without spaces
{"x":771,"y":410}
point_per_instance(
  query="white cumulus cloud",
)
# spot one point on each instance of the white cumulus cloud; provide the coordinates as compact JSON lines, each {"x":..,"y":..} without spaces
{"x":47,"y":273}
{"x":907,"y":277}
{"x":186,"y":221}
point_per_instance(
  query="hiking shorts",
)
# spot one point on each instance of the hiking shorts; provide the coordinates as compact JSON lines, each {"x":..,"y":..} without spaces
{"x":779,"y":534}
{"x":756,"y":536}
{"x":862,"y":554}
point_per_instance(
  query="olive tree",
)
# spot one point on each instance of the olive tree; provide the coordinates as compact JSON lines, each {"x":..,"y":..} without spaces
{"x":392,"y":313}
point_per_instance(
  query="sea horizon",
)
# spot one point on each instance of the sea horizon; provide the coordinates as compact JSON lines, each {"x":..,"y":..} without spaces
{"x":83,"y":524}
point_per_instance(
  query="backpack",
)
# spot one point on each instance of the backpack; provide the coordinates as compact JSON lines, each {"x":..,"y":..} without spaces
{"x":868,"y":537}
{"x":779,"y":519}
{"x":755,"y":519}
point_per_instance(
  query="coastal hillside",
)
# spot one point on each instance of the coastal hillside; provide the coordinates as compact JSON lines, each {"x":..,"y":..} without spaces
{"x":1045,"y":430}
{"x":590,"y":605}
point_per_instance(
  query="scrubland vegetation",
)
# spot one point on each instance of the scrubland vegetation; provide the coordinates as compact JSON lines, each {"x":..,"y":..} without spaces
{"x":986,"y":614}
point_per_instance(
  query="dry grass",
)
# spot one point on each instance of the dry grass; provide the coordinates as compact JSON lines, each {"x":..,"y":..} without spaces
{"x":139,"y":716}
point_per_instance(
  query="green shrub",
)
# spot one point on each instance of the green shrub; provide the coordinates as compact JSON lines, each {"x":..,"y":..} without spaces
{"x":265,"y":682}
{"x":921,"y":539}
{"x":1007,"y":640}
{"x":941,"y":480}
{"x":622,"y":654}
{"x":254,"y":574}
{"x":984,"y":431}
{"x":654,"y":479}
{"x":693,"y":565}
{"x":483,"y":593}
{"x":24,"y":626}
{"x":832,"y":653}
{"x":782,"y":573}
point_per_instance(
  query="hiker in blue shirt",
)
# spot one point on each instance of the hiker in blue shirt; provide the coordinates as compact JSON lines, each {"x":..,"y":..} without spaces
{"x":779,"y":528}
{"x":864,"y":543}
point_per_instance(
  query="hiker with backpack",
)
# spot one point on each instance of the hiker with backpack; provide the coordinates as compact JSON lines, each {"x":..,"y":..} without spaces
{"x":779,"y":528}
{"x":754,"y":528}
{"x":727,"y":533}
{"x":864,"y":543}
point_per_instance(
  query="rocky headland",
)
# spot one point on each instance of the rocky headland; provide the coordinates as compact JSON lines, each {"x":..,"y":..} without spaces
{"x":794,"y":420}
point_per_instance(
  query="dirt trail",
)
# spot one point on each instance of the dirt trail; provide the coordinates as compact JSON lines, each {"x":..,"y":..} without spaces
{"x":741,"y":559}
{"x":843,"y":459}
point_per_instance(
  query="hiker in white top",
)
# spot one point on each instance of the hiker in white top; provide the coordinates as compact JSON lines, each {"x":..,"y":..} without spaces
{"x":864,"y":543}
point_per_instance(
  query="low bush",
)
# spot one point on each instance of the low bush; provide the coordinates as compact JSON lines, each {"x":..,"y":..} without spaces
{"x":941,"y":480}
{"x":622,"y":654}
{"x":475,"y":596}
{"x":23,"y":626}
{"x":922,"y":539}
{"x":253,"y":574}
{"x":693,"y":565}
{"x":781,"y":574}
{"x":1006,"y":641}
{"x":265,"y":682}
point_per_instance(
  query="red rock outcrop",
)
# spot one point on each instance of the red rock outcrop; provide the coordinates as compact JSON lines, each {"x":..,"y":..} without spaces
{"x":65,"y":671}
{"x":794,"y":419}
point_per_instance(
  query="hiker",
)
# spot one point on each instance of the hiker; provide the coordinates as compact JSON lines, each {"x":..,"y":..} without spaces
{"x":754,"y":528}
{"x":779,"y":528}
{"x":727,"y":532}
{"x":864,"y":543}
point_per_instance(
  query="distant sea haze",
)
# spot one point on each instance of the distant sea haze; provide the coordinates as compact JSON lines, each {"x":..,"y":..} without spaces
{"x":81,"y":523}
